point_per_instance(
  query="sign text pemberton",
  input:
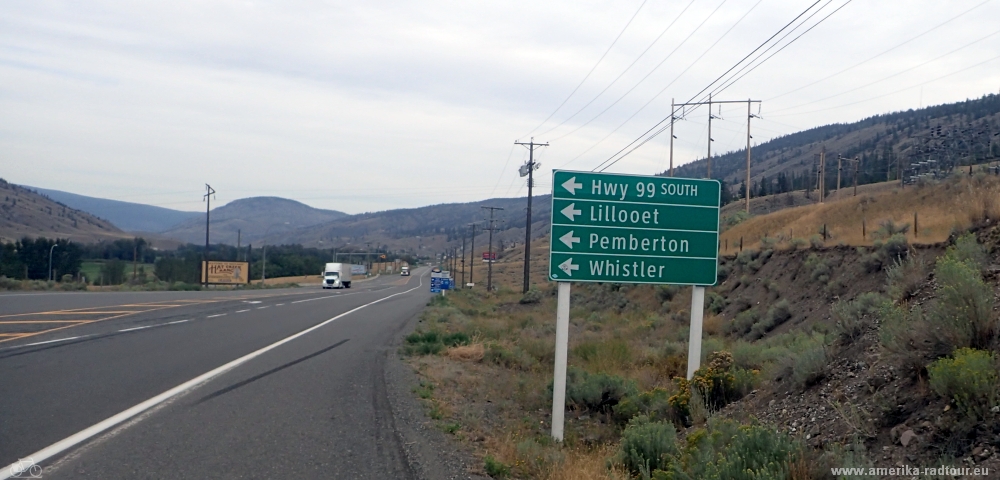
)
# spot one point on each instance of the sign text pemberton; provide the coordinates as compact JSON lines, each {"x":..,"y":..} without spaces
{"x":633,"y":229}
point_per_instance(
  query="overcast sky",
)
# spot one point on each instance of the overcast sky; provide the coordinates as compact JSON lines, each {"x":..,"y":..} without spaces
{"x":366,"y":106}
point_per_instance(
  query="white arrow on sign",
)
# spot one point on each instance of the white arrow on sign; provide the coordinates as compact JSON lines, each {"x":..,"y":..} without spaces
{"x":571,"y":185}
{"x":569,"y":239}
{"x":568,"y":267}
{"x":571,"y":212}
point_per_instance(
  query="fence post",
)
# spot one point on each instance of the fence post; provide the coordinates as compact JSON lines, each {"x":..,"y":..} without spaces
{"x":864,"y":233}
{"x":741,"y":244}
{"x":914,"y":224}
{"x":824,"y":232}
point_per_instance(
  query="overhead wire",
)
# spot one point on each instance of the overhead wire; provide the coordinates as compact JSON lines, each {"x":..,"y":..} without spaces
{"x":882,"y":53}
{"x":664,"y":89}
{"x":645,"y":137}
{"x":591,"y":69}
{"x":620,"y":75}
{"x":672,"y":52}
{"x":890,"y":76}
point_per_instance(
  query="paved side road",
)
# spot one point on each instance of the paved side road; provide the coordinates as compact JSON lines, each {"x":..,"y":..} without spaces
{"x":335,"y":402}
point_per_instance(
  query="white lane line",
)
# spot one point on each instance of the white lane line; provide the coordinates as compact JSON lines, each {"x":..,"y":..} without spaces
{"x":278,"y":304}
{"x":261,"y":308}
{"x":241,"y":311}
{"x":53,"y":341}
{"x":178,"y":321}
{"x":219,"y":315}
{"x":311,"y":299}
{"x":96,"y":429}
{"x":137,"y":328}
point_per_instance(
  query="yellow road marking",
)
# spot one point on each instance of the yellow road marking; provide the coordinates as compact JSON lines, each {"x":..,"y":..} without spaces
{"x":11,"y":334}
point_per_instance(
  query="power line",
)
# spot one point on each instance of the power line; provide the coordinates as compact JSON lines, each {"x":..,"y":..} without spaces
{"x":672,"y":52}
{"x":664,"y":89}
{"x":645,"y":137}
{"x":890,"y":76}
{"x":882,"y":53}
{"x":591,"y":70}
{"x":620,"y":75}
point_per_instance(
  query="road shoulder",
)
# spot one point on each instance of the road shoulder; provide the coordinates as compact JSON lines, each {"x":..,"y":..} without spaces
{"x":432,"y":454}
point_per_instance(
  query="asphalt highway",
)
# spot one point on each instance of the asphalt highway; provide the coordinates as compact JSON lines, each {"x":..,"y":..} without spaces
{"x":205,"y":384}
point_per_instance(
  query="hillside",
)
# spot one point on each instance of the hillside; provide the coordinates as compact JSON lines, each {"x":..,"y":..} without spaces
{"x":128,"y":216}
{"x":430,"y":229}
{"x":255,"y":217}
{"x":950,"y":135}
{"x":813,"y":357}
{"x":27,"y":213}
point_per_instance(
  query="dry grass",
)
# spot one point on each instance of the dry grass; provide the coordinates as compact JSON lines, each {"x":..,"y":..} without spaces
{"x":466,"y":353}
{"x":957,"y":203}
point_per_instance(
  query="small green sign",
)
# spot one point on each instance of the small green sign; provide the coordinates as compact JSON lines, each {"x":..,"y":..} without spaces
{"x":633,"y":229}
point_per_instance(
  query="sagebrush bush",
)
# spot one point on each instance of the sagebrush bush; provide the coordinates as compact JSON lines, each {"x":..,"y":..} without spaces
{"x":816,"y":241}
{"x":666,"y":293}
{"x":776,"y":315}
{"x":966,"y":249}
{"x":715,"y":303}
{"x":652,"y":403}
{"x":726,"y":450}
{"x":969,"y":378}
{"x":884,"y":253}
{"x":851,"y":315}
{"x":905,"y":277}
{"x":530,"y":297}
{"x":647,"y":446}
{"x":598,"y":392}
{"x":819,"y":270}
{"x":798,"y":243}
{"x":495,"y":468}
{"x":514,"y":358}
{"x":744,"y":321}
{"x":964,"y":307}
{"x":809,"y":366}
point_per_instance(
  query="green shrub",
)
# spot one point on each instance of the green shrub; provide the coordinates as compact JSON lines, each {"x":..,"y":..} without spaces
{"x":816,"y":241}
{"x":768,"y":243}
{"x":666,"y":293}
{"x":850,"y":315}
{"x":964,"y":308}
{"x":735,"y":219}
{"x":514,"y":358}
{"x":966,"y":249}
{"x":819,"y":270}
{"x":809,"y":366}
{"x":889,"y":228}
{"x":532,"y":296}
{"x":744,"y":321}
{"x":884,"y":253}
{"x":596,"y":392}
{"x":432,"y":342}
{"x":184,"y":287}
{"x":776,"y":315}
{"x":746,"y":256}
{"x":652,"y":403}
{"x":905,"y":277}
{"x":495,"y":468}
{"x":439,"y":301}
{"x":726,"y":450}
{"x":647,"y":446}
{"x":715,"y":303}
{"x":969,"y":378}
{"x":722,"y":273}
{"x":798,"y":243}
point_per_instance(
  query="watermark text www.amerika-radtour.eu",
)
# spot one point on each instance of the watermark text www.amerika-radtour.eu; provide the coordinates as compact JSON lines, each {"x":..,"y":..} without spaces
{"x":906,"y":470}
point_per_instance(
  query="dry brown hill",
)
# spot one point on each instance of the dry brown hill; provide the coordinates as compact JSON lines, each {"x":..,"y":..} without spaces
{"x":26,"y":213}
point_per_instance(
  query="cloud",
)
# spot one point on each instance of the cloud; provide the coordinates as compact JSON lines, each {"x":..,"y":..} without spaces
{"x":362,"y":106}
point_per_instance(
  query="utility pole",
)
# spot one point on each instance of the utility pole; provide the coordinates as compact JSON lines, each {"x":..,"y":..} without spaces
{"x":528,"y":169}
{"x":489,"y":258}
{"x":822,"y":174}
{"x":368,"y":257}
{"x":840,"y":167}
{"x":711,"y":117}
{"x":464,"y":235}
{"x":238,"y":244}
{"x":857,"y":162}
{"x":209,"y":193}
{"x":472,"y":253}
{"x":749,"y":116}
{"x":673,"y":118}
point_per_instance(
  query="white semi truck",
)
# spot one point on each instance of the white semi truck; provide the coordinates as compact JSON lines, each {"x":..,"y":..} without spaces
{"x":337,"y":275}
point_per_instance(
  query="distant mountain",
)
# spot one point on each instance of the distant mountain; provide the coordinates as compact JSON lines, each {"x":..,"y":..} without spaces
{"x":24,"y":212}
{"x":431,"y":228}
{"x":131,"y":217}
{"x":950,"y":135}
{"x":253,"y":218}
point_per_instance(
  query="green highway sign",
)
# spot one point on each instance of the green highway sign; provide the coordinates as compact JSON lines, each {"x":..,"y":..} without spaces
{"x":633,"y":229}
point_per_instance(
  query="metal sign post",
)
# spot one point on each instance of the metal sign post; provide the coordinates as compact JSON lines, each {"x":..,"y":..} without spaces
{"x":630,"y":229}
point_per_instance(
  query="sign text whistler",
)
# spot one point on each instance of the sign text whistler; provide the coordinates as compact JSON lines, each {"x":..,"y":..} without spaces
{"x":633,"y":229}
